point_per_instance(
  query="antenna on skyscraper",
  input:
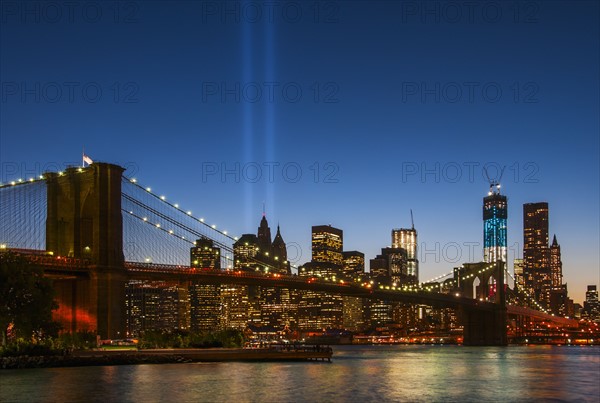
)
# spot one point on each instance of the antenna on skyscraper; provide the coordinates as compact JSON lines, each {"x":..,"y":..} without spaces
{"x":412,"y":220}
{"x":494,"y":182}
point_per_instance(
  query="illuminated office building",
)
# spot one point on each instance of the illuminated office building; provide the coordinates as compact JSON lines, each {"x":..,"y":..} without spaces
{"x":327,"y":244}
{"x":245,"y":251}
{"x":353,"y":264}
{"x":154,"y":305}
{"x":320,"y":310}
{"x":591,"y":305}
{"x":390,"y":267}
{"x":205,"y":255}
{"x":536,"y":253}
{"x":556,"y":276}
{"x":406,"y":238}
{"x":205,"y":299}
{"x":518,"y":265}
{"x":494,"y":225}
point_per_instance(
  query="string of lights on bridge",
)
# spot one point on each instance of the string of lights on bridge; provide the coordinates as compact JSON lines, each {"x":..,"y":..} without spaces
{"x":200,"y":220}
{"x":32,"y":179}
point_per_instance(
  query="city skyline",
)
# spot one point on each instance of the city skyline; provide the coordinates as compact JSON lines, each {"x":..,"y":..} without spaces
{"x":378,"y":131}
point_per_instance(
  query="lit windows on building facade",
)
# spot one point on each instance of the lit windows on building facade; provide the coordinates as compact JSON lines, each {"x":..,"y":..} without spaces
{"x":495,"y":213}
{"x":406,"y":238}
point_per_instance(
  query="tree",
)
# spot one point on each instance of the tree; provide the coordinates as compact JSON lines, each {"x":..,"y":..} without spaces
{"x":26,"y":298}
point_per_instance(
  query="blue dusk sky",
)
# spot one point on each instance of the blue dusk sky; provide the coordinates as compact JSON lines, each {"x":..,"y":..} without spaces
{"x":347,"y":113}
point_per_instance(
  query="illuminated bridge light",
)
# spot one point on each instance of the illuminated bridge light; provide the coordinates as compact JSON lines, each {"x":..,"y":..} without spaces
{"x":148,"y":189}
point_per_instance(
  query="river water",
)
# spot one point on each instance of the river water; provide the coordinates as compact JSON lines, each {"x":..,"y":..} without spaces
{"x":357,"y":373}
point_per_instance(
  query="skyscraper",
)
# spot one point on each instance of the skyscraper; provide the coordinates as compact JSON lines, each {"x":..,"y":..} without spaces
{"x":494,"y":225}
{"x":264,"y":236}
{"x":536,"y":253}
{"x":406,"y":238}
{"x":556,"y":276}
{"x":327,"y":244}
{"x":205,"y":299}
{"x":353,"y":264}
{"x":205,"y":255}
{"x":591,"y":305}
{"x":518,"y":269}
{"x":279,"y":253}
{"x":245,"y":252}
{"x":320,"y":310}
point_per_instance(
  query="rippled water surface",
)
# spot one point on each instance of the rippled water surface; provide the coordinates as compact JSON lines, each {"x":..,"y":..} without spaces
{"x":357,"y":373}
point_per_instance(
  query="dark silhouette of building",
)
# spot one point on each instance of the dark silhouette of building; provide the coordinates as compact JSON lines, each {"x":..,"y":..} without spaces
{"x":390,"y":267}
{"x":558,"y":291}
{"x":264,"y":236}
{"x":252,"y":252}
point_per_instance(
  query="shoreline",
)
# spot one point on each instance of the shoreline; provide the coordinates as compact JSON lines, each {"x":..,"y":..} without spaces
{"x":162,"y":356}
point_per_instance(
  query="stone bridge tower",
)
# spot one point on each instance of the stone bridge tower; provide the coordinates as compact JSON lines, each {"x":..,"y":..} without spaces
{"x":84,"y":221}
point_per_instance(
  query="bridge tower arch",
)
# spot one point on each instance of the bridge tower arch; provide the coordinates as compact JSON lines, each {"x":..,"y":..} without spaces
{"x":484,"y":327}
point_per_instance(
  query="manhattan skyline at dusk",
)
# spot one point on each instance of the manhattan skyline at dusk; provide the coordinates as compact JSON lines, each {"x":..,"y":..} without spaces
{"x":349,"y":115}
{"x":285,"y":200}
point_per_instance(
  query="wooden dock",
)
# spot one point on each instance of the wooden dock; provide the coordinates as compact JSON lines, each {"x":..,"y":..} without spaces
{"x":299,"y":353}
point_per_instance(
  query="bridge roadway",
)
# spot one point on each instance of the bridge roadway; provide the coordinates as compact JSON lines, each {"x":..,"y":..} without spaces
{"x":65,"y":267}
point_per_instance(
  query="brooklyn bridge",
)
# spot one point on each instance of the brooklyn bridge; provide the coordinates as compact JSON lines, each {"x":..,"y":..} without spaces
{"x":93,"y":230}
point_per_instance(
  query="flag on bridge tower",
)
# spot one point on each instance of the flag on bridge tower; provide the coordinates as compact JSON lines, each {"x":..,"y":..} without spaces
{"x":87,"y":160}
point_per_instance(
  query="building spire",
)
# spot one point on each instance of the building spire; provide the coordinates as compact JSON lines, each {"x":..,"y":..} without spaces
{"x":554,"y":242}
